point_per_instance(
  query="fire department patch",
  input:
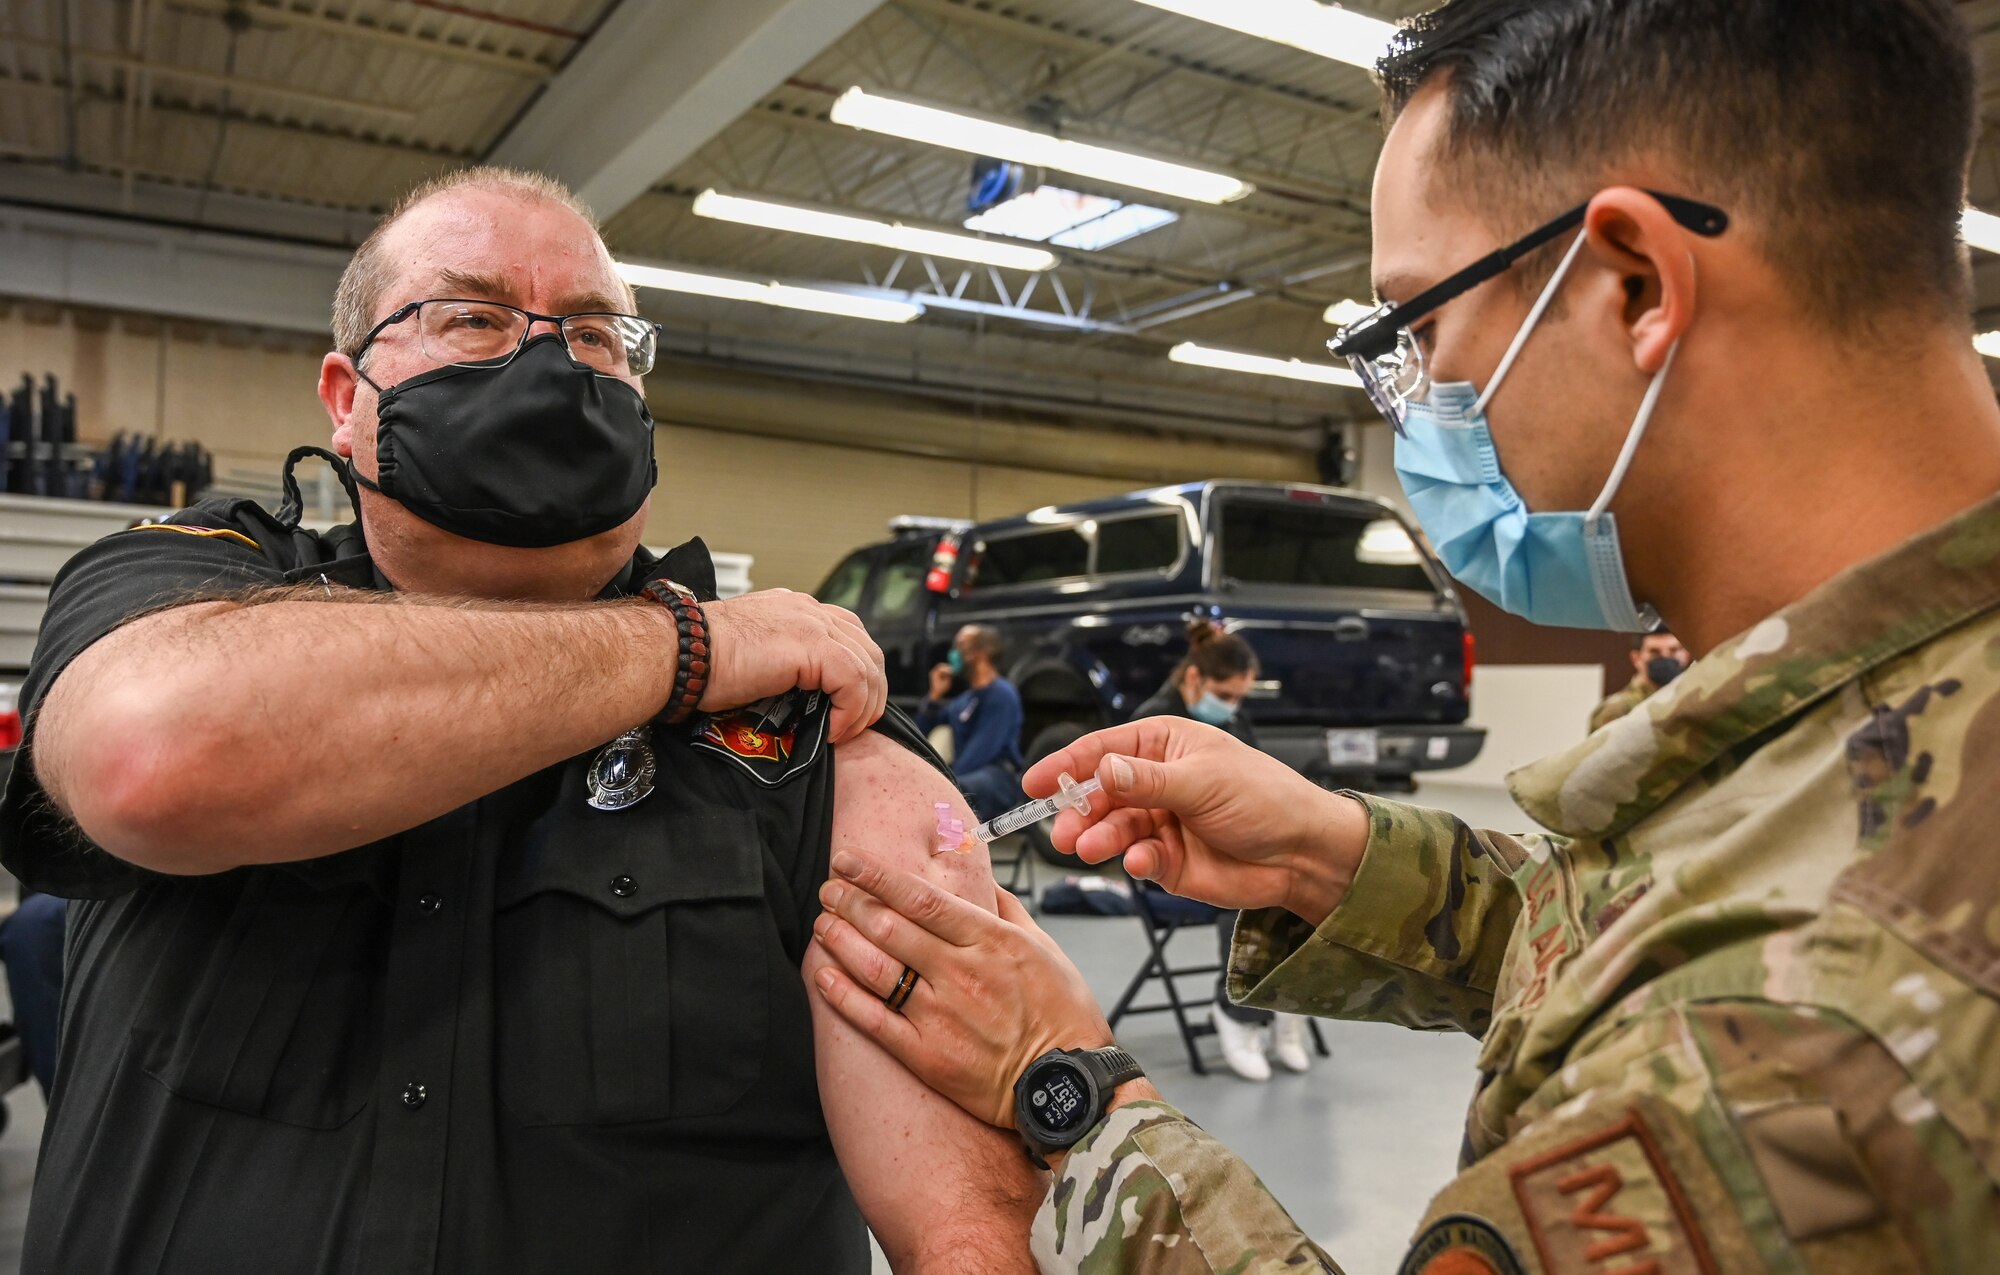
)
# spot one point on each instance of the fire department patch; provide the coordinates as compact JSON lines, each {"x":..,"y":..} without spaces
{"x":772,"y":740}
{"x":1461,"y":1244}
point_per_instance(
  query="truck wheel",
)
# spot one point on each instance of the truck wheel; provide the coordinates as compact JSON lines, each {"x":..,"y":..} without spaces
{"x":1051,"y":739}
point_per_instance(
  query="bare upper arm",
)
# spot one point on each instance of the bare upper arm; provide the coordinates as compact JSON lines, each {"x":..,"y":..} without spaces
{"x":942,"y":1190}
{"x":884,"y":807}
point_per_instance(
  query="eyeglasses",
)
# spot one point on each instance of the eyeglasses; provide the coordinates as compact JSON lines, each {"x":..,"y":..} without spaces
{"x":1390,"y":361}
{"x":455,"y":332}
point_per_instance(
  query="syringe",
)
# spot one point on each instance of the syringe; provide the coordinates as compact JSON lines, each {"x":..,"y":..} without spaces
{"x":1071,"y":793}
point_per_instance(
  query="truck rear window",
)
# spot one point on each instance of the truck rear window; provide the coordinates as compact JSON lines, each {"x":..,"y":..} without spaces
{"x":1150,"y":542}
{"x":1056,"y":554}
{"x":1320,"y":547}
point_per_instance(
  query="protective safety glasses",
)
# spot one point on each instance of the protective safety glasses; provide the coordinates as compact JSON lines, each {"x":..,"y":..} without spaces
{"x":1390,"y":361}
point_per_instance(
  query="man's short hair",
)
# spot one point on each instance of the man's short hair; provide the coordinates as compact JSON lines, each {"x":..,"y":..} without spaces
{"x":368,"y":272}
{"x":1843,"y":128}
{"x":985,"y":639}
{"x":1639,"y":639}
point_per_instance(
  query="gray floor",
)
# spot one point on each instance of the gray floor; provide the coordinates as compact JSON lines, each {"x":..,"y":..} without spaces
{"x":1355,"y":1147}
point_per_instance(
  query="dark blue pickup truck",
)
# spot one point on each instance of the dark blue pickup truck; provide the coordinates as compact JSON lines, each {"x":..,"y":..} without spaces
{"x":1366,"y":657}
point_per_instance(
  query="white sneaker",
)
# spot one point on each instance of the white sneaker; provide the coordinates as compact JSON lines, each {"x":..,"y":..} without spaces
{"x":1288,"y":1042}
{"x":1242,"y":1047}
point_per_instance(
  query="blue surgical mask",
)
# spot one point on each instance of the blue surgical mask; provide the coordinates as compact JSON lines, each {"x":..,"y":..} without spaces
{"x":1212,"y":710}
{"x":956,"y":659}
{"x":1562,"y":569}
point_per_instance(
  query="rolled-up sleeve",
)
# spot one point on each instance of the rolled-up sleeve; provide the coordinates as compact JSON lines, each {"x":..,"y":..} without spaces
{"x":1418,"y":939}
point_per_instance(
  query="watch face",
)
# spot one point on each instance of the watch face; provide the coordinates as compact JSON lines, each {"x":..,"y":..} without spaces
{"x":1059,"y":1098}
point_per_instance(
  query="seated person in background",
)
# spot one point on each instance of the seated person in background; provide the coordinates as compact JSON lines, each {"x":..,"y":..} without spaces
{"x":985,"y":721}
{"x":1657,"y":658}
{"x":1209,"y":685}
{"x":31,"y":947}
{"x":364,"y":977}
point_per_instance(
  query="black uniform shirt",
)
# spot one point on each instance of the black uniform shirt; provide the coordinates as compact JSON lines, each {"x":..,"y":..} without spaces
{"x":526,"y":1036}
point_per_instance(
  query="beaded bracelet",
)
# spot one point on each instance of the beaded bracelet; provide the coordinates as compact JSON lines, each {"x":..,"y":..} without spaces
{"x":691,"y":669}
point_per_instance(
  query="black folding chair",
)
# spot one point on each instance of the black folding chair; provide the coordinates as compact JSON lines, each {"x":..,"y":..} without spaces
{"x":1160,"y":928}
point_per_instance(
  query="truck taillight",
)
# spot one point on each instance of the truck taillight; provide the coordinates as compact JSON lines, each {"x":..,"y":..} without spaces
{"x":1471,"y":660}
{"x":946,"y":557}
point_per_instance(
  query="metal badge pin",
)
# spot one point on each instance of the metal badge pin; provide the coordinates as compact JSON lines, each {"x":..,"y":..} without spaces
{"x":621,"y":774}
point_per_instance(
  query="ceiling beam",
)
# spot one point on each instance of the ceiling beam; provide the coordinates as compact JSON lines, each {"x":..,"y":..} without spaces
{"x":287,"y":128}
{"x":657,"y":80}
{"x":1339,"y":111}
{"x":121,"y":265}
{"x":161,"y":203}
{"x":213,"y":79}
{"x":357,"y":27}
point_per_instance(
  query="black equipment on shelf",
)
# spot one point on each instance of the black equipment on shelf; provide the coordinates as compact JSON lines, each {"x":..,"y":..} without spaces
{"x":40,"y":455}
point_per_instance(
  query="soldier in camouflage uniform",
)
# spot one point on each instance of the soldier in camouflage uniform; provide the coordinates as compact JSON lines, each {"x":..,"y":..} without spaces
{"x":1657,"y":659}
{"x":1738,"y":1009}
{"x":1740,"y":1003}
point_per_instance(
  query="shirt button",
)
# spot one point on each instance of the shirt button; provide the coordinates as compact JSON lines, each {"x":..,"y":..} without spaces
{"x":623,"y":886}
{"x":415,"y":1095}
{"x":429,"y":903}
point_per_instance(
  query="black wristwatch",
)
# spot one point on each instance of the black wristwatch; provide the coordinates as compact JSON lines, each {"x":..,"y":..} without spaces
{"x":1063,"y":1095}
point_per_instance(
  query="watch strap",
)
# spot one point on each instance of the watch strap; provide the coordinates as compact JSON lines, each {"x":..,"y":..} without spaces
{"x":1114,"y":1067}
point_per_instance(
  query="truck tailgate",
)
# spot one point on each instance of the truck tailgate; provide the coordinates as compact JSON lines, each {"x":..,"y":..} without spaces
{"x":1364,"y":668}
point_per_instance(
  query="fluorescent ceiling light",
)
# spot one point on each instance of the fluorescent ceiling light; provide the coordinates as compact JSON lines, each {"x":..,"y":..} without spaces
{"x":954,"y":130}
{"x":772,"y":215}
{"x":1987,"y":343}
{"x":1069,"y":219}
{"x":1325,"y":29}
{"x":1342,"y":313}
{"x":790,"y":296}
{"x":1263,"y":365}
{"x":1127,"y":221}
{"x":1980,"y":229}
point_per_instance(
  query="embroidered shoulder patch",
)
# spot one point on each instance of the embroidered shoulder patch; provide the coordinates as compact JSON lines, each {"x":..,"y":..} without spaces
{"x":1610,"y":1194}
{"x":773,"y":740}
{"x":1461,"y":1244}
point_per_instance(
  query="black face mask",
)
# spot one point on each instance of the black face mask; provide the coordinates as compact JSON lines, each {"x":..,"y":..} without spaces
{"x":1663,"y":669}
{"x":533,"y":452}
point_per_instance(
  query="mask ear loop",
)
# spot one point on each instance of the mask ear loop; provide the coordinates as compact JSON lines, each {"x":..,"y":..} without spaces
{"x":1534,"y":318}
{"x":1633,"y":439}
{"x":293,"y":507}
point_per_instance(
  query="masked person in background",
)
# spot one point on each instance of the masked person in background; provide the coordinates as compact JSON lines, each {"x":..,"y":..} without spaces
{"x":366,"y":976}
{"x":1657,"y":659}
{"x":1209,"y":685}
{"x":985,"y":720}
{"x":1675,"y":321}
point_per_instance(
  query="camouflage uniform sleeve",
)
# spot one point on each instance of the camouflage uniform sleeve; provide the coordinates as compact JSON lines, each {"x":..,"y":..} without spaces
{"x":1149,"y":1193}
{"x":1733,"y":1136}
{"x":1418,"y":939}
{"x":1616,"y":706}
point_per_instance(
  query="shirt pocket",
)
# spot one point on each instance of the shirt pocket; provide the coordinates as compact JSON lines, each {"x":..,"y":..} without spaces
{"x":264,"y":998}
{"x":632,"y":967}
